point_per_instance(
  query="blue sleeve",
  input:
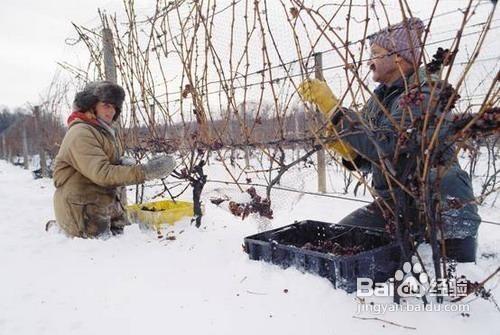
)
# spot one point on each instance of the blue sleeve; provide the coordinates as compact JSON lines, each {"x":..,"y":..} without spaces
{"x":380,"y":141}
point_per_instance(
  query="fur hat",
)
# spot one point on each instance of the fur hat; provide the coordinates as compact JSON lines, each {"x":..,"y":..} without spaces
{"x":103,"y":91}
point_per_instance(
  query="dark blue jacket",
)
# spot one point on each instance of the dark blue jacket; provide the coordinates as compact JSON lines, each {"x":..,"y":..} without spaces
{"x":373,"y":135}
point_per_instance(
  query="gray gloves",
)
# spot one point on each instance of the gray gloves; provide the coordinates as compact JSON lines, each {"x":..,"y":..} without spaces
{"x":159,"y":167}
{"x":127,"y":161}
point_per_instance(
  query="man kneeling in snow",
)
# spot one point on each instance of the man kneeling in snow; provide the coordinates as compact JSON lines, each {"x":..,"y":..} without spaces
{"x":88,"y":170}
{"x":371,"y":140}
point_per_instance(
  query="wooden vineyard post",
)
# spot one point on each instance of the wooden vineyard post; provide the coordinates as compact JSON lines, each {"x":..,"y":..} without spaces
{"x":318,"y":65}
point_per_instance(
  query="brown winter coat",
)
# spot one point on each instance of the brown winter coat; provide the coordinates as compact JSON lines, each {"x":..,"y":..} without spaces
{"x":87,"y":175}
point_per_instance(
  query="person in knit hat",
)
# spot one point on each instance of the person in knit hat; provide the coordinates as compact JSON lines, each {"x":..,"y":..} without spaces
{"x":89,"y":170}
{"x":396,"y":51}
{"x":369,"y":141}
{"x":403,"y":39}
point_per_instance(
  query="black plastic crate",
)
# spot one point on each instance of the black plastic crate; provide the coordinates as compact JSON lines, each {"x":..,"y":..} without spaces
{"x":284,"y":246}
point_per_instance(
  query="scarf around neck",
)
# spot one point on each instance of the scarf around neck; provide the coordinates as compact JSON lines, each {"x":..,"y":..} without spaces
{"x":90,"y":118}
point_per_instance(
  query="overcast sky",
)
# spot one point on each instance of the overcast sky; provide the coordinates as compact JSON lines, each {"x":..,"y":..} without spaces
{"x":32,"y":40}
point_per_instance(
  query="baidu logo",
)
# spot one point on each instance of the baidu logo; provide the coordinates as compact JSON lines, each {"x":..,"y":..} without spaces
{"x":410,"y":281}
{"x":413,"y":281}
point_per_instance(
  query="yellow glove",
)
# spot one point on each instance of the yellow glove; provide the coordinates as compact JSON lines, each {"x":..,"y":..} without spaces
{"x":318,"y":92}
{"x":343,"y":149}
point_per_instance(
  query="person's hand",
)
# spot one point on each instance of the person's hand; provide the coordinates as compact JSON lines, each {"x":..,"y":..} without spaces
{"x":318,"y":92}
{"x":127,"y":161}
{"x":159,"y":167}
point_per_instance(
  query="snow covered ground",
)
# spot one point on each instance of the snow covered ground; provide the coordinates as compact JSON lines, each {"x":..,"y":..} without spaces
{"x":200,"y":283}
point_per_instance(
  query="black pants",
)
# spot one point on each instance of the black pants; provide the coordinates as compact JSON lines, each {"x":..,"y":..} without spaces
{"x":460,"y":248}
{"x":369,"y":217}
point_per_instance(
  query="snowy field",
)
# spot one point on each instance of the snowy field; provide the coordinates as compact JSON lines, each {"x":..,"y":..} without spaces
{"x":202,"y":282}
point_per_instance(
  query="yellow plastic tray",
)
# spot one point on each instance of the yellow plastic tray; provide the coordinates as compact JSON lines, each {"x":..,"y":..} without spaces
{"x":157,"y":213}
